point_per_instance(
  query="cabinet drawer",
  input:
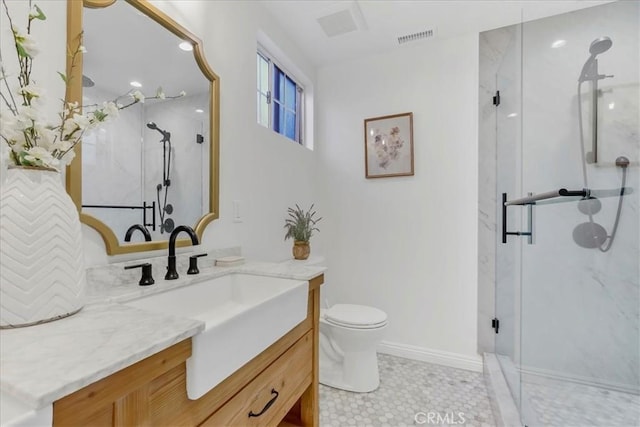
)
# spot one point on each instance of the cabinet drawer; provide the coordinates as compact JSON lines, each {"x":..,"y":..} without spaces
{"x":268,"y":398}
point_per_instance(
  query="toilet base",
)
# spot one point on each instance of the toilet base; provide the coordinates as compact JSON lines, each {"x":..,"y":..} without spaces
{"x":357,"y":372}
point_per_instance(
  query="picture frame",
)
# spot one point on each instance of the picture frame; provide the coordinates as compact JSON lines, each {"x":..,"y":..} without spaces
{"x":388,"y":146}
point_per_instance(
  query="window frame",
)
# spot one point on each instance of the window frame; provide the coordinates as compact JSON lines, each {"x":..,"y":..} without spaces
{"x":272,"y":63}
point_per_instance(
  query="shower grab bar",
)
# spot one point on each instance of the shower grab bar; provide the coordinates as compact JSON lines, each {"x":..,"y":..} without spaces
{"x":563,"y":192}
{"x":144,"y":208}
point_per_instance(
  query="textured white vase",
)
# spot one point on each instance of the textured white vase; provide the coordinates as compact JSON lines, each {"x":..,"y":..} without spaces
{"x":42,"y":275}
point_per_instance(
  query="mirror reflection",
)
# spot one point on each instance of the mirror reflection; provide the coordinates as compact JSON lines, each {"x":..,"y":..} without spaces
{"x":148,"y":171}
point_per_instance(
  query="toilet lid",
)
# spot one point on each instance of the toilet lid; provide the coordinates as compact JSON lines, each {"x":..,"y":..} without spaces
{"x":356,"y":316}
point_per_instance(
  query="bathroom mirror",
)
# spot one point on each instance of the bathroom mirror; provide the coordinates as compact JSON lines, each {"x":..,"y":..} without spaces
{"x":156,"y":166}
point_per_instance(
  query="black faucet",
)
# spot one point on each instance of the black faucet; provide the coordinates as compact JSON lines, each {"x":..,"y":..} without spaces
{"x":134,"y":227}
{"x":147,"y":277}
{"x":172,"y":274}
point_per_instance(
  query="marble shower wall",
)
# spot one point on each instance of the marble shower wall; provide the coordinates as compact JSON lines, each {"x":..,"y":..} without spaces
{"x":578,"y":311}
{"x":122,"y":162}
{"x":189,"y":160}
{"x":112,"y":159}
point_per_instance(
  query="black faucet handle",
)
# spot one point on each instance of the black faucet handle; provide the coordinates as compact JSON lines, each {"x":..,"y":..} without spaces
{"x":193,"y":263}
{"x":147,"y":276}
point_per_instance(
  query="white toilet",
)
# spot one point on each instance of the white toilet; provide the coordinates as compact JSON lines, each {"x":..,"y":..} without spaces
{"x":349,"y":335}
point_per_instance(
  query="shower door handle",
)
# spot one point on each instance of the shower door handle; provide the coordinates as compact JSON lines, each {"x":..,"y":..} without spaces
{"x":506,"y":233}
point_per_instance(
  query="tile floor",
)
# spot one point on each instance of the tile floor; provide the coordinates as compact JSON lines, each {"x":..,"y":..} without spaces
{"x":411,"y":393}
{"x":565,"y":404}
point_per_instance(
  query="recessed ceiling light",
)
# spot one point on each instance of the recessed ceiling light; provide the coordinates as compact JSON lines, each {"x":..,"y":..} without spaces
{"x":558,"y":43}
{"x":135,"y":84}
{"x":199,"y":110}
{"x":186,"y":46}
{"x":612,"y":105}
{"x":512,"y":115}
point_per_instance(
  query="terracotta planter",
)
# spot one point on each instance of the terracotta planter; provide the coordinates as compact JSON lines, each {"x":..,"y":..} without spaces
{"x":301,"y":250}
{"x":42,"y":275}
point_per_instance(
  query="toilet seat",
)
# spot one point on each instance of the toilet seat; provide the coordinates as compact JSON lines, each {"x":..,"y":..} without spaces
{"x":355,"y":316}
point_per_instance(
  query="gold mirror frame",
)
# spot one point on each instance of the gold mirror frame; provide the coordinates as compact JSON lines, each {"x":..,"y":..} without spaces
{"x":74,"y":94}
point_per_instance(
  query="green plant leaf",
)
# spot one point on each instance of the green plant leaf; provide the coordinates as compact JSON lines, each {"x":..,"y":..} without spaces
{"x":41,"y":16}
{"x":300,"y":225}
{"x":21,"y":52}
{"x":63,"y":77}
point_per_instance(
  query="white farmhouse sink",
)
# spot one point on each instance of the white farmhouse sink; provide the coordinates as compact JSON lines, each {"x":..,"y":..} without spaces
{"x":243,"y":314}
{"x":14,"y":413}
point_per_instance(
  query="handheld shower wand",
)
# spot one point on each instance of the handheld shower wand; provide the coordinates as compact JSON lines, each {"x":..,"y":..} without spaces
{"x":591,"y":234}
{"x":590,"y":73}
{"x":166,"y":136}
{"x":166,"y":179}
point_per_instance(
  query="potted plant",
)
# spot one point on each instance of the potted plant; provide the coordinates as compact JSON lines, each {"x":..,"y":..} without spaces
{"x":300,"y":226}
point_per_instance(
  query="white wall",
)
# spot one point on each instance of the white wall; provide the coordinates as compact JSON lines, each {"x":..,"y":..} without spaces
{"x":408,"y":244}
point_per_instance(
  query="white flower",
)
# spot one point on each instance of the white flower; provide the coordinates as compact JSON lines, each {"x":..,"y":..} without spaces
{"x":8,"y":126}
{"x":61,"y":145}
{"x":137,"y":96}
{"x":67,"y":158}
{"x":82,"y":49}
{"x":28,"y":113}
{"x":68,"y":128}
{"x":12,"y":131}
{"x":111,"y":109}
{"x":30,"y":91}
{"x":83,"y":122}
{"x":160,"y":94}
{"x":183,"y":93}
{"x":25,"y":41}
{"x":46,"y":136}
{"x":38,"y":156}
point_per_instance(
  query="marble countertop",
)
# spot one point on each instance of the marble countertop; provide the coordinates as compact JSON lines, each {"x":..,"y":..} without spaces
{"x":41,"y":364}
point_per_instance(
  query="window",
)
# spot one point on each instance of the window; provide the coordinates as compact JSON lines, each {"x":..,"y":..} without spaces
{"x":280,"y":99}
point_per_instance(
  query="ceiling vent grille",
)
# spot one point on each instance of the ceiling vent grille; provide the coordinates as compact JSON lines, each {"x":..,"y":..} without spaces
{"x":338,"y":23}
{"x":416,"y":36}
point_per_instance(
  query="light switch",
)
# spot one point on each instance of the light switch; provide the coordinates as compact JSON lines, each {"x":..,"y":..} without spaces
{"x":237,"y":217}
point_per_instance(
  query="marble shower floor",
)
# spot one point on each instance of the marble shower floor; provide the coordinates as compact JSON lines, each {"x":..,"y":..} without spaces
{"x":408,"y":387}
{"x":564,"y":404}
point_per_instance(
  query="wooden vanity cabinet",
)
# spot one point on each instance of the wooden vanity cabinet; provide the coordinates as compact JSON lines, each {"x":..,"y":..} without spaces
{"x":279,"y":387}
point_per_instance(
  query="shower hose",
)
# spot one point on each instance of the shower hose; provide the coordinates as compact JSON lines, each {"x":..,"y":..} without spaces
{"x":606,"y":245}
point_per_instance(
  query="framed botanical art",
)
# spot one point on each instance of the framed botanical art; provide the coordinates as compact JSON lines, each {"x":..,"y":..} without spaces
{"x":388,"y":146}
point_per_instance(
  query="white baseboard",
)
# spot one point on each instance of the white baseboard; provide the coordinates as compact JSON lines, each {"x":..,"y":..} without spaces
{"x":445,"y":358}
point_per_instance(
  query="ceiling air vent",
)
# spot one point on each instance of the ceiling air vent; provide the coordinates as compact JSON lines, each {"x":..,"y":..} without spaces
{"x":416,"y":36}
{"x":338,"y":23}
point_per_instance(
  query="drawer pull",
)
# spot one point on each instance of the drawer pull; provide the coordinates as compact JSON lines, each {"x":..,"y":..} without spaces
{"x":267,"y":406}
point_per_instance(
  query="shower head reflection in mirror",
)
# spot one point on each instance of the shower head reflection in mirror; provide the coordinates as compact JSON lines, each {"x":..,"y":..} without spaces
{"x":164,"y":208}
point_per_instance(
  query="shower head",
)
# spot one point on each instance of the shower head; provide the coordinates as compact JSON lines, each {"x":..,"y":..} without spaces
{"x":590,"y":67}
{"x":87,"y":81}
{"x":589,"y":235}
{"x":600,"y":45}
{"x":165,"y":135}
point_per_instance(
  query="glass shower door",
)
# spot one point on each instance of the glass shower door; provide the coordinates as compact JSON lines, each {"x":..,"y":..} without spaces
{"x":580,"y":295}
{"x":508,"y":150}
